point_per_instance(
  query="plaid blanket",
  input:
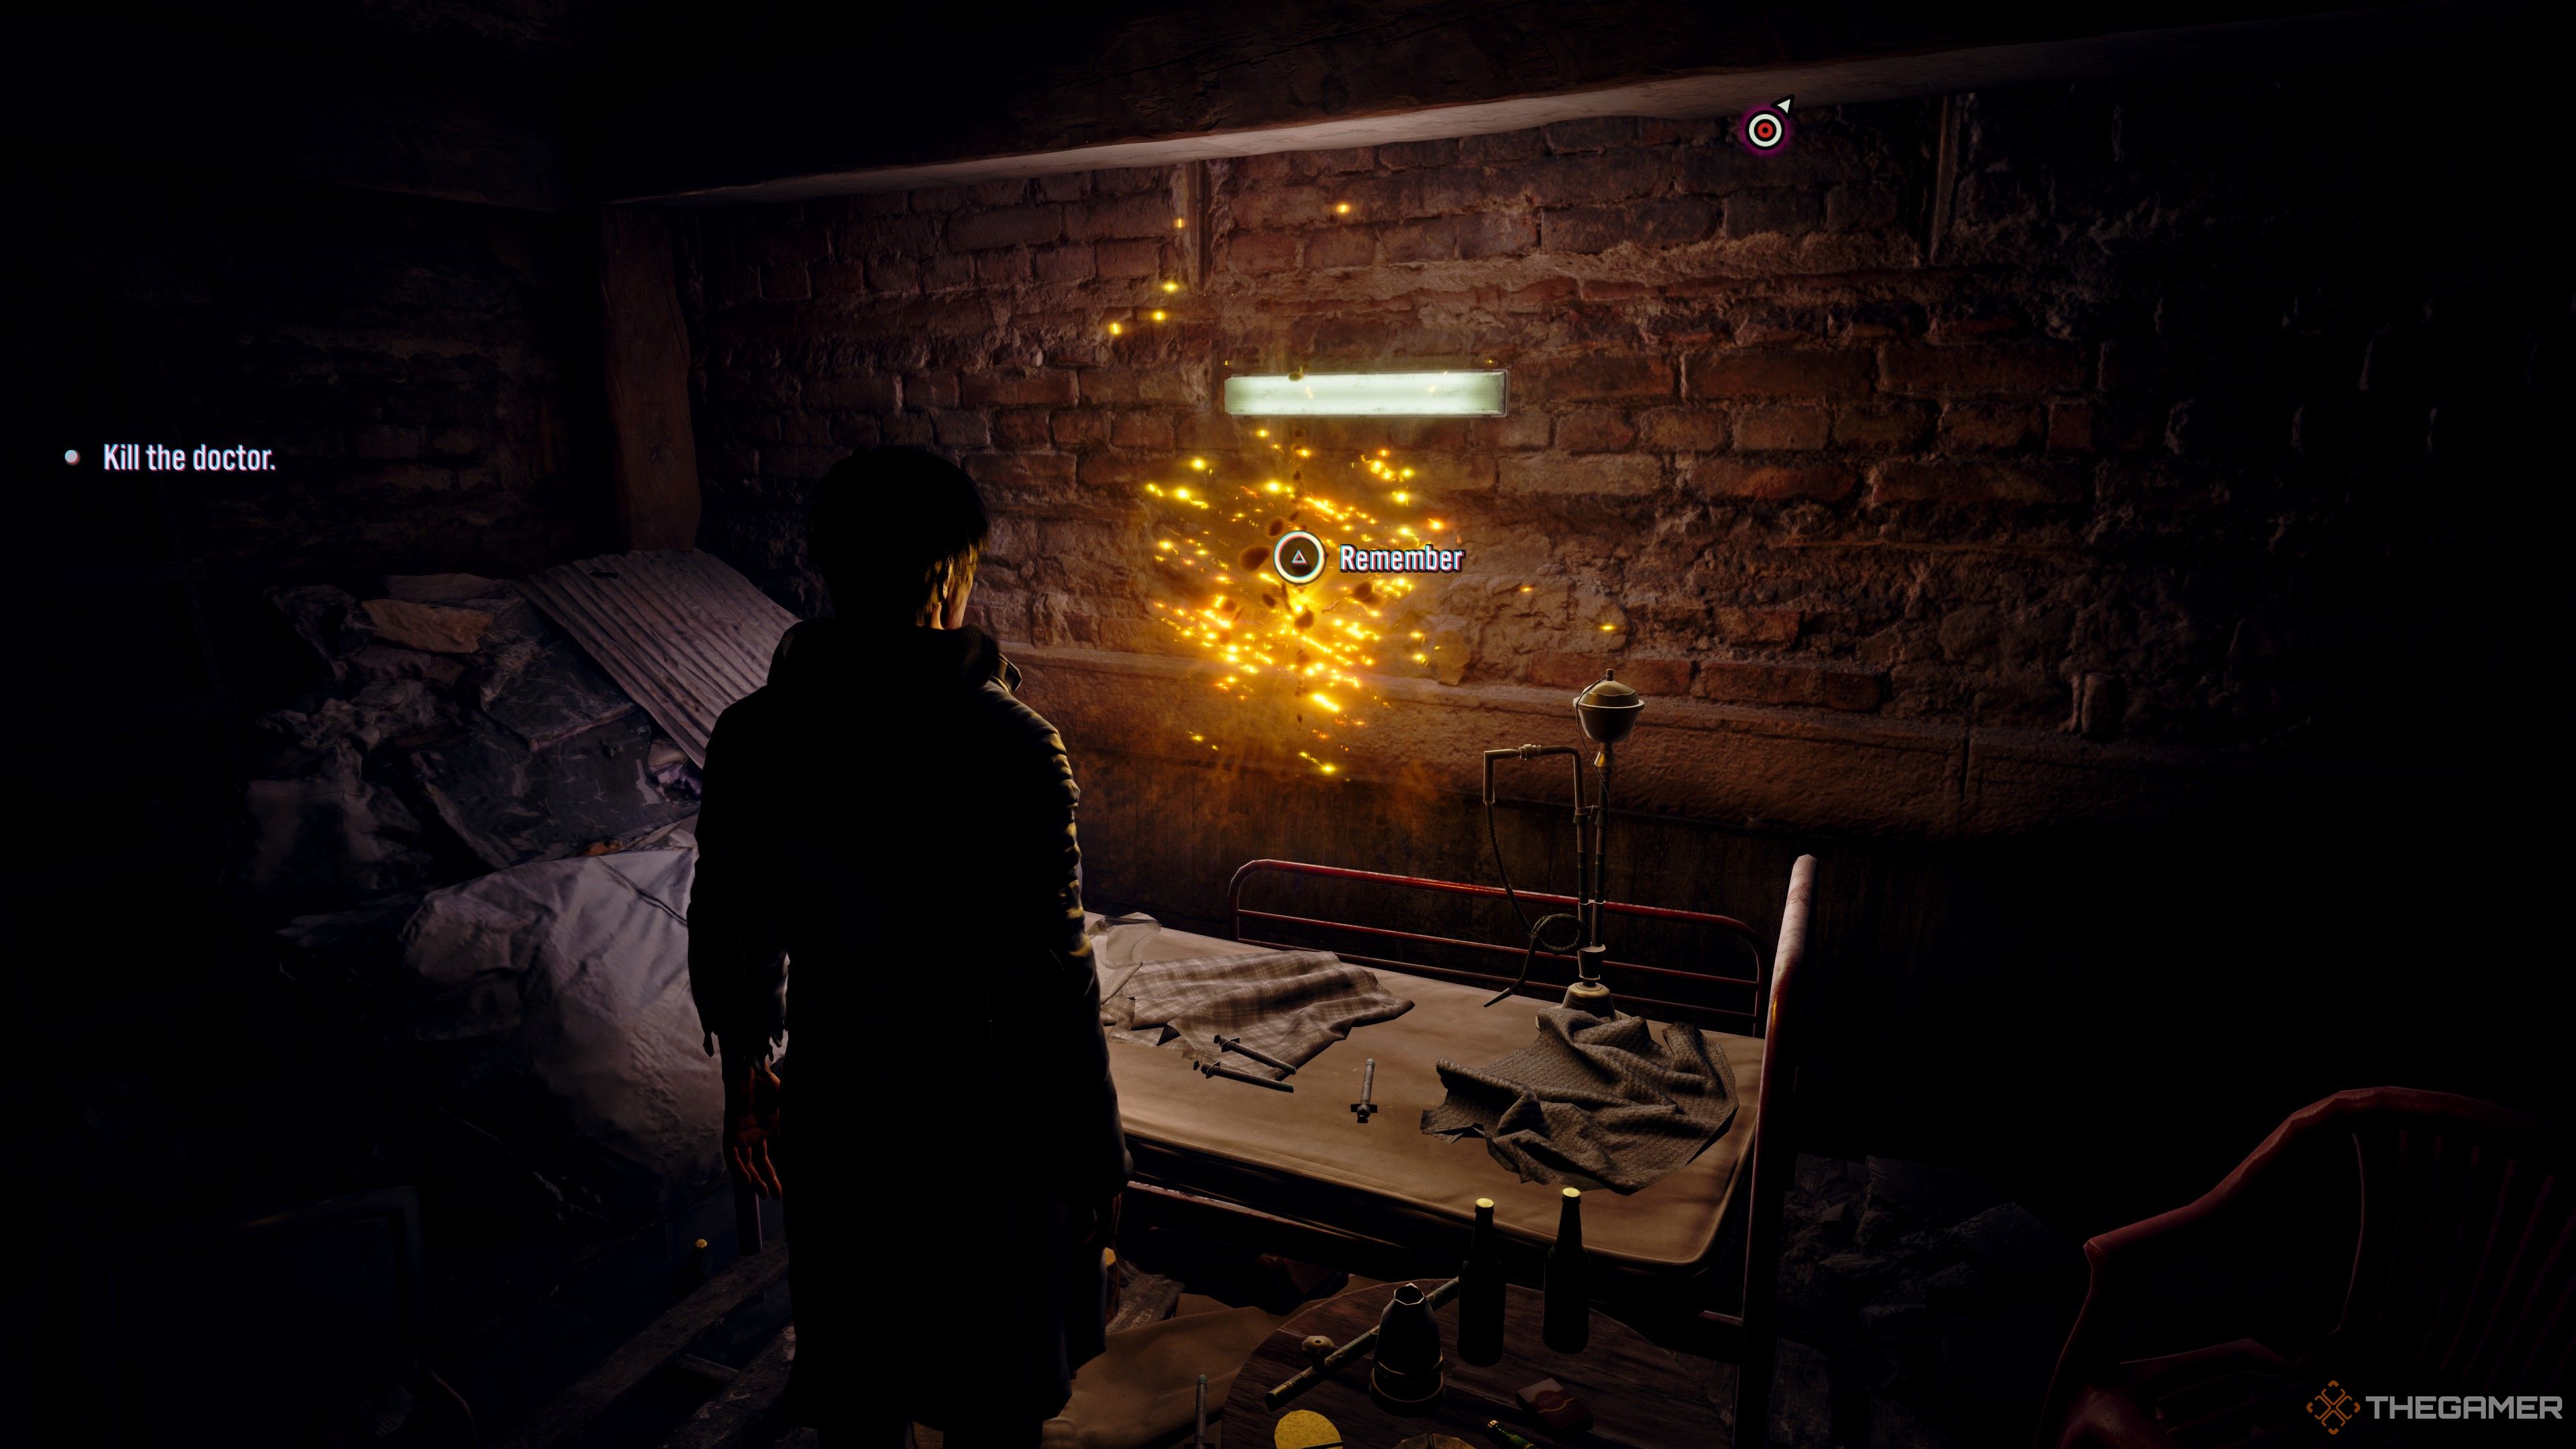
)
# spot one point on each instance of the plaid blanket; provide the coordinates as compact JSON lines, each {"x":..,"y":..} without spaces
{"x":1593,"y":1103}
{"x":1291,"y":1004}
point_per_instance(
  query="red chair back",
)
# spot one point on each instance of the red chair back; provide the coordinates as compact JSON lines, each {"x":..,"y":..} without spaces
{"x":2465,"y":1271}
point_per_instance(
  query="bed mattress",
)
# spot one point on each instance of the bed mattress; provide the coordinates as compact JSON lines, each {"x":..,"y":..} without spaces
{"x":1228,"y":1138}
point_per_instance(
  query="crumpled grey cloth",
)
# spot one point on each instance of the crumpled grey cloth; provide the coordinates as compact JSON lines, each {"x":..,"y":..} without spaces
{"x":1290,"y":1004}
{"x":1593,"y":1103}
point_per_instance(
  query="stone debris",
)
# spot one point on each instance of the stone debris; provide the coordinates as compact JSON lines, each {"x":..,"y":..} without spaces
{"x":1927,"y":1311}
{"x":459,"y":731}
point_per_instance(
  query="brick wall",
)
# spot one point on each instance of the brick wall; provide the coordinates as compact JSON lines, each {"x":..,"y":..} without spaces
{"x":2198,"y":389}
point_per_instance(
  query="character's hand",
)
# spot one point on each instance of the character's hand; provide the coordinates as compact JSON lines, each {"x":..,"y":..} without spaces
{"x":751,"y":1128}
{"x":1098,"y":1222}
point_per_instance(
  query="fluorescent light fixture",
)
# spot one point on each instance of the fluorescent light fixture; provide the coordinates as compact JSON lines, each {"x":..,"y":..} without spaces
{"x":1368,"y":395}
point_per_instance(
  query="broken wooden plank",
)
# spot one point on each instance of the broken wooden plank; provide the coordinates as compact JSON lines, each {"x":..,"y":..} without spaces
{"x":649,"y":1352}
{"x":644,"y":346}
{"x":747,"y":1412}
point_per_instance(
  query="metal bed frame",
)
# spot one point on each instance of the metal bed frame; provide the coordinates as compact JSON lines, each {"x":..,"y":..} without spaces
{"x":1749,"y":1334}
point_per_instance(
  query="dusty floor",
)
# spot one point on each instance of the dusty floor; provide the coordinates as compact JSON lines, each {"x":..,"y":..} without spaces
{"x":1923,"y":1312}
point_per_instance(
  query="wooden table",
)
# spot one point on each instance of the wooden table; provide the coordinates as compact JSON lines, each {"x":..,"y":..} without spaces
{"x":1641,"y":1396}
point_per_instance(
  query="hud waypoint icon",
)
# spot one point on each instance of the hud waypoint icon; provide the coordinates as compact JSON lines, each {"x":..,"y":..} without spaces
{"x":1298,"y":556}
{"x":1765,"y":129}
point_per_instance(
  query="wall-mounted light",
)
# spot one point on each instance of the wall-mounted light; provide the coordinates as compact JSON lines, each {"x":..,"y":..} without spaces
{"x":1368,"y":395}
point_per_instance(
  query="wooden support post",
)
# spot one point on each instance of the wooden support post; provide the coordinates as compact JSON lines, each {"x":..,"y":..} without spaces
{"x":653,"y":453}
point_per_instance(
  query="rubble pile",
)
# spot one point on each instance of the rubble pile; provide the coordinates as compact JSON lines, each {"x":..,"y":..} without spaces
{"x":1914,"y":1286}
{"x":458,"y":731}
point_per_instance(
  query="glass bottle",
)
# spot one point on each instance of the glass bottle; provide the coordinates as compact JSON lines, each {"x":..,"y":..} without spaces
{"x":1566,"y":1323}
{"x":1480,"y":1292}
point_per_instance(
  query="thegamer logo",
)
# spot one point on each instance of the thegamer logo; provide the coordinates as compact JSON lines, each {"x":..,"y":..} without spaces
{"x":2334,"y":1407}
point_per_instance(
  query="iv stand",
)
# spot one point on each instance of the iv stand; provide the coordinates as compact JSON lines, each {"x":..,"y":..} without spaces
{"x":1607,"y":710}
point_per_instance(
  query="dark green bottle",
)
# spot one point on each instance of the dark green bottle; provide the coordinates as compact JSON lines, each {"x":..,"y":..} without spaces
{"x":1566,"y":1323}
{"x":1480,"y":1293}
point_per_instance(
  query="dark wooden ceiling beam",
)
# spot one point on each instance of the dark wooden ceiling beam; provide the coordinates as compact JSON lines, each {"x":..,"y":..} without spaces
{"x":1181,"y":95}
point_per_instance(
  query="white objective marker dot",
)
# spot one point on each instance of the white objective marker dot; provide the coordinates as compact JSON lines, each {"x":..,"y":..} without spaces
{"x":72,"y":456}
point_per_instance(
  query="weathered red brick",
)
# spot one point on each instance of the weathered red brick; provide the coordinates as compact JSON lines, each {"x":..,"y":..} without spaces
{"x":1259,"y":252}
{"x":1606,"y":474}
{"x":1126,"y":180}
{"x":1773,"y":373}
{"x":1014,"y":227}
{"x":1021,"y":428}
{"x":1065,"y":186}
{"x":2005,"y":367}
{"x":1655,"y":676}
{"x":1546,"y":293}
{"x":1325,"y":163}
{"x":1858,"y":690}
{"x":797,"y":244}
{"x":785,"y":281}
{"x":962,"y":429}
{"x":1003,"y":268}
{"x":1496,"y":234}
{"x":1598,"y":133}
{"x":1828,"y":686}
{"x":931,"y":390}
{"x":1042,"y":387}
{"x":1512,"y":430}
{"x":1988,"y":428}
{"x":1671,"y":222}
{"x":1061,"y":265}
{"x":1128,"y":216}
{"x":1122,"y":470}
{"x":1435,"y":240}
{"x":1763,"y":427}
{"x":1593,"y":430}
{"x":1683,"y":429}
{"x":1000,"y":193}
{"x":1583,"y":180}
{"x":1440,"y":433}
{"x":883,"y":236}
{"x":1128,"y":258}
{"x":1021,"y":472}
{"x":1758,"y":625}
{"x":1405,"y":155}
{"x":868,"y":392}
{"x":1140,"y":430}
{"x":838,"y":279}
{"x":1965,"y":328}
{"x":1085,"y":428}
{"x":1278,"y":208}
{"x":1727,"y":477}
{"x":1501,"y":147}
{"x":1968,"y":483}
{"x":1790,"y":209}
{"x":894,"y":275}
{"x":1882,"y":425}
{"x":948,"y":271}
{"x":1594,"y":377}
{"x":2070,"y":427}
{"x":1130,"y":385}
{"x":1339,"y":247}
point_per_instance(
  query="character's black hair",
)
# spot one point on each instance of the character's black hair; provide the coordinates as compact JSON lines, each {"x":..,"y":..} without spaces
{"x":892,"y":527}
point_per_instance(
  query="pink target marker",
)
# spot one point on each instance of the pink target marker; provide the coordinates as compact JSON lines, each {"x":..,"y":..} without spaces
{"x":1765,"y":130}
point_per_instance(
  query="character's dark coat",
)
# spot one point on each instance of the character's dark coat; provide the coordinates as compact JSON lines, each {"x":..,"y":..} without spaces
{"x":887,"y":815}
